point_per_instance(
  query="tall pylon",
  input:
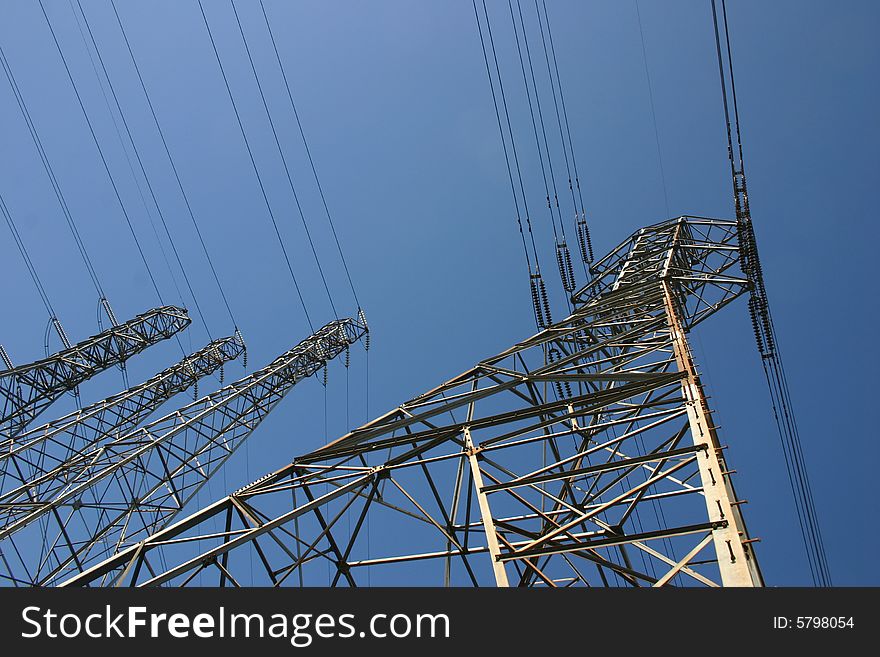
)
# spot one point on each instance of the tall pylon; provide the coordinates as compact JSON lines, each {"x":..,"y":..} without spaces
{"x":583,"y":455}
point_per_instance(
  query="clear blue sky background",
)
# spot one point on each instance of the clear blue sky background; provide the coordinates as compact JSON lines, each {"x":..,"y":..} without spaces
{"x":395,"y":103}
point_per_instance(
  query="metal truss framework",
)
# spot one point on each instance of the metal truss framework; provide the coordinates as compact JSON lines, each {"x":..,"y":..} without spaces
{"x":584,"y":455}
{"x":54,"y":446}
{"x":28,"y":390}
{"x":117,"y":491}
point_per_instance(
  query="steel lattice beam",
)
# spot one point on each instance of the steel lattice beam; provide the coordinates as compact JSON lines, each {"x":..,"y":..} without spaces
{"x":57,"y":445}
{"x":584,"y":455}
{"x":97,"y":502}
{"x":28,"y":390}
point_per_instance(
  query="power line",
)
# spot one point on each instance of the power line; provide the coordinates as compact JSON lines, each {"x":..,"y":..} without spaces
{"x":128,"y":162}
{"x":762,"y":322}
{"x":510,"y":131}
{"x":504,"y":146}
{"x":562,"y":252}
{"x":653,"y":109}
{"x":532,"y":115}
{"x":540,"y":300}
{"x":47,"y":166}
{"x":22,"y":249}
{"x":283,"y":159}
{"x":541,"y":121}
{"x":140,"y":165}
{"x":309,"y":155}
{"x":555,"y":101}
{"x":254,"y":165}
{"x":563,"y":257}
{"x":101,"y":153}
{"x":583,"y":228}
{"x":32,"y":270}
{"x":173,"y":165}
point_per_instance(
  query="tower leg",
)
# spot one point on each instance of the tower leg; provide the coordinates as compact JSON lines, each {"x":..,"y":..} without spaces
{"x":736,"y":558}
{"x":486,"y":513}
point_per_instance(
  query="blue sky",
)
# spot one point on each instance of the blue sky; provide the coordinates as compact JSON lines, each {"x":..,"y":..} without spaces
{"x":396,"y":106}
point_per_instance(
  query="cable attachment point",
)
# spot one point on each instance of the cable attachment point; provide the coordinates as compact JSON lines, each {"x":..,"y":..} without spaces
{"x":536,"y":301}
{"x":545,"y":302}
{"x":362,"y":318}
{"x":7,"y":361}
{"x":60,"y":331}
{"x":110,"y":314}
{"x":584,"y":240}
{"x":239,"y":338}
{"x":566,"y":271}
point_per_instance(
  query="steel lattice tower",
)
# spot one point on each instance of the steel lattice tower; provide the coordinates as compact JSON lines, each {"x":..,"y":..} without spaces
{"x":28,"y":390}
{"x":82,"y":488}
{"x":584,"y":455}
{"x":38,"y":451}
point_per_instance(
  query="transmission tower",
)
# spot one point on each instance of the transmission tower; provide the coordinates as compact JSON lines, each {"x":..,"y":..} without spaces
{"x":113,"y":493}
{"x":29,"y":390}
{"x":584,"y":455}
{"x":50,"y":447}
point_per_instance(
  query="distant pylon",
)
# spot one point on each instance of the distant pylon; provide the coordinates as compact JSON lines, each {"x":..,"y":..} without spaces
{"x":106,"y":497}
{"x":41,"y":450}
{"x":28,"y":390}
